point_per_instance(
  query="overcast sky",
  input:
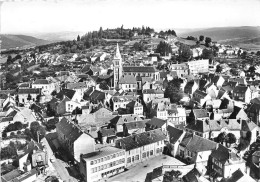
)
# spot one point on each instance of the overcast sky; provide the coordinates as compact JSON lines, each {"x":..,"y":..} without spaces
{"x":84,"y":15}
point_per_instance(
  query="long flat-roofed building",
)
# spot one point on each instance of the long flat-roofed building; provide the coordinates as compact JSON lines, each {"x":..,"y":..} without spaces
{"x":100,"y":164}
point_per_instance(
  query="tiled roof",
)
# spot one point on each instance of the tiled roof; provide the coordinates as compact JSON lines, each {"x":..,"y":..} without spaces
{"x":69,"y":129}
{"x":248,"y":125}
{"x":125,"y":119}
{"x":156,"y":123}
{"x":127,"y":79}
{"x":200,"y":113}
{"x":152,"y":91}
{"x":97,"y":95}
{"x":174,"y":134}
{"x":199,"y":144}
{"x":222,"y":154}
{"x":135,"y":124}
{"x":29,"y":91}
{"x":107,"y":132}
{"x":240,"y":89}
{"x":141,"y":139}
{"x":141,"y":69}
{"x":41,"y":81}
{"x":78,"y":85}
{"x":124,"y":98}
{"x":66,"y":92}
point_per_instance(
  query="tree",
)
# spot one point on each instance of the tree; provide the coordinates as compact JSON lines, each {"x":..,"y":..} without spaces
{"x":173,"y":90}
{"x":230,"y":138}
{"x":184,"y":52}
{"x":164,"y":48}
{"x":78,"y":38}
{"x":201,"y":38}
{"x":9,"y":59}
{"x":36,"y":129}
{"x":100,"y":33}
{"x":77,"y":110}
{"x":251,"y":69}
{"x":207,"y":54}
{"x":258,"y":53}
{"x":243,"y":55}
{"x":207,"y":41}
{"x":221,"y":137}
{"x":54,"y":93}
{"x":219,"y":69}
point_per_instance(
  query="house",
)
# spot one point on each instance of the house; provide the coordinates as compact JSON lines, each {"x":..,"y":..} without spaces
{"x":200,"y":97}
{"x":142,"y":146}
{"x":218,"y":80}
{"x":176,"y":115}
{"x":108,"y":161}
{"x":98,"y":118}
{"x":248,"y":126}
{"x":79,"y":87}
{"x":122,"y":101}
{"x":196,"y":149}
{"x":253,"y":112}
{"x":106,"y":135}
{"x":24,"y":95}
{"x":134,"y":127}
{"x":43,"y":84}
{"x":191,"y":87}
{"x":128,"y":83}
{"x":135,"y":107}
{"x":73,"y":139}
{"x":199,"y":114}
{"x":70,"y":94}
{"x":118,"y":121}
{"x":238,"y":113}
{"x":175,"y":137}
{"x":156,"y":123}
{"x":242,"y":93}
{"x":198,"y":66}
{"x":150,"y":94}
{"x":180,"y":69}
{"x":159,"y":110}
{"x":238,"y":176}
{"x":223,"y":162}
{"x":255,"y":166}
{"x":210,"y":129}
{"x":20,"y":176}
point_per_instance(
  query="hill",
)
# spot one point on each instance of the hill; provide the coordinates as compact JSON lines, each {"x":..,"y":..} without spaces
{"x":10,"y":41}
{"x":245,"y":37}
{"x":226,"y":33}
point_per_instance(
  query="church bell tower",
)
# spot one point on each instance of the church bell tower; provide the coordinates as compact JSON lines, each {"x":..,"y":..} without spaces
{"x":118,"y":69}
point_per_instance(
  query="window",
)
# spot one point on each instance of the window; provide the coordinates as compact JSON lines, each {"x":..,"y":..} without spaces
{"x":151,"y":152}
{"x":133,"y":159}
{"x":144,"y":155}
{"x":108,"y":157}
{"x":91,"y":163}
{"x":98,"y":160}
{"x":137,"y":157}
{"x":95,"y":161}
{"x":101,"y":159}
{"x":95,"y":169}
{"x":157,"y":150}
{"x":129,"y":160}
{"x":98,"y":168}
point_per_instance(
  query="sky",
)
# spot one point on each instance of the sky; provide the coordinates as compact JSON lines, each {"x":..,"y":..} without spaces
{"x":38,"y":16}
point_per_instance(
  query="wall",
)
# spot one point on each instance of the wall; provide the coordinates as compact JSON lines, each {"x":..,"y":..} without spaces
{"x":84,"y":144}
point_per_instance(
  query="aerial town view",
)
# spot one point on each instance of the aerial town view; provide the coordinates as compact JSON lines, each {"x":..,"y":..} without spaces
{"x":130,"y":90}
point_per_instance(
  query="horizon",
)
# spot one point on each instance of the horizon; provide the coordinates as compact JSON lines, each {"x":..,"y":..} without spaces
{"x":39,"y":17}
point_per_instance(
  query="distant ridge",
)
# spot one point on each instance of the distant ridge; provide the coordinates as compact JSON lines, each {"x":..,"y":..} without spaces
{"x":10,"y":41}
{"x":226,"y":33}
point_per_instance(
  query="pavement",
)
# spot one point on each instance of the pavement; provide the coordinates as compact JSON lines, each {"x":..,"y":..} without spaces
{"x":141,"y":171}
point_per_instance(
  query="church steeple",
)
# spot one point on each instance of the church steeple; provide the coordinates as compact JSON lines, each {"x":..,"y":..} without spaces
{"x":118,"y":69}
{"x":117,"y":55}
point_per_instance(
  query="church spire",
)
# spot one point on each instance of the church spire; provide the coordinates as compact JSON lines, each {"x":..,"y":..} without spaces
{"x":117,"y":55}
